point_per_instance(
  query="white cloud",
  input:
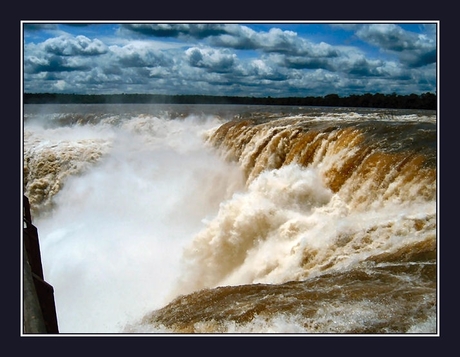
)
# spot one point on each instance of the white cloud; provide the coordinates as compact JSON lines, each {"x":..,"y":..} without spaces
{"x":213,"y":59}
{"x":230,"y":59}
{"x":60,"y":85}
{"x":138,"y":55}
{"x":74,"y":46}
{"x":414,"y":50}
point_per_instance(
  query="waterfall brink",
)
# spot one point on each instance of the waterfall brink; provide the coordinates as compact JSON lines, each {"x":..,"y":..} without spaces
{"x":319,"y":196}
{"x":366,"y":163}
{"x":222,"y":219}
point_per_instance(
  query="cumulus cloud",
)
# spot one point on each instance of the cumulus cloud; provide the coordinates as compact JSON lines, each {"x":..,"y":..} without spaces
{"x":414,"y":50}
{"x":229,"y":59}
{"x":53,"y":64}
{"x":74,"y":46}
{"x":304,"y":62}
{"x":387,"y":36}
{"x":138,"y":54}
{"x":196,"y":31}
{"x":264,"y":69}
{"x":212,"y":59}
{"x":273,"y":41}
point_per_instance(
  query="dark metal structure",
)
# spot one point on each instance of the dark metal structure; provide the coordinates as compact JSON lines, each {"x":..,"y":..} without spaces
{"x":39,"y":310}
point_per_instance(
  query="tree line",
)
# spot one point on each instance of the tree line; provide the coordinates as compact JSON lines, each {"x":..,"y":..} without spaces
{"x":377,"y":100}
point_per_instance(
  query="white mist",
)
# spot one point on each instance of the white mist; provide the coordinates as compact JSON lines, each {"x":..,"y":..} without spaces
{"x":112,"y":246}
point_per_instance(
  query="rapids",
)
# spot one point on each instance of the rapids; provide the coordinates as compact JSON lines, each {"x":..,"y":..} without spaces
{"x":204,"y":219}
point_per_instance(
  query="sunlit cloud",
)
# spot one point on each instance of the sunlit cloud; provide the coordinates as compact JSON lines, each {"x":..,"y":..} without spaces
{"x":230,"y":58}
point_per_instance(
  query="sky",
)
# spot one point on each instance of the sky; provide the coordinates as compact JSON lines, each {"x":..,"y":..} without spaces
{"x":253,"y":59}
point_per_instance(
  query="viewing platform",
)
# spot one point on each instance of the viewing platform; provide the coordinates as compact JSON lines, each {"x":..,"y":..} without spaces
{"x":39,"y":310}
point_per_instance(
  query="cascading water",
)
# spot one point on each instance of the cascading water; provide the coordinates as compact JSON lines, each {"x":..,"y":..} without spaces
{"x":236,"y":220}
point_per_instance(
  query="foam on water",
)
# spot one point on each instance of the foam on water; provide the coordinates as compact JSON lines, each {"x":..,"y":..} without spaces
{"x":112,"y":242}
{"x":136,"y":211}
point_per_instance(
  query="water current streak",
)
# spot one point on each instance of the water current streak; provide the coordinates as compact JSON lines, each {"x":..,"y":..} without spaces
{"x":367,"y":162}
{"x":214,"y":219}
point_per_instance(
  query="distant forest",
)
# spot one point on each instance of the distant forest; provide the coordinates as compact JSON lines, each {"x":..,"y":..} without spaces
{"x":395,"y":101}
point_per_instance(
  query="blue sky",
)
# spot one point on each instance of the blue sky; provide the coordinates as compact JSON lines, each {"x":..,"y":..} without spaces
{"x":284,"y":59}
